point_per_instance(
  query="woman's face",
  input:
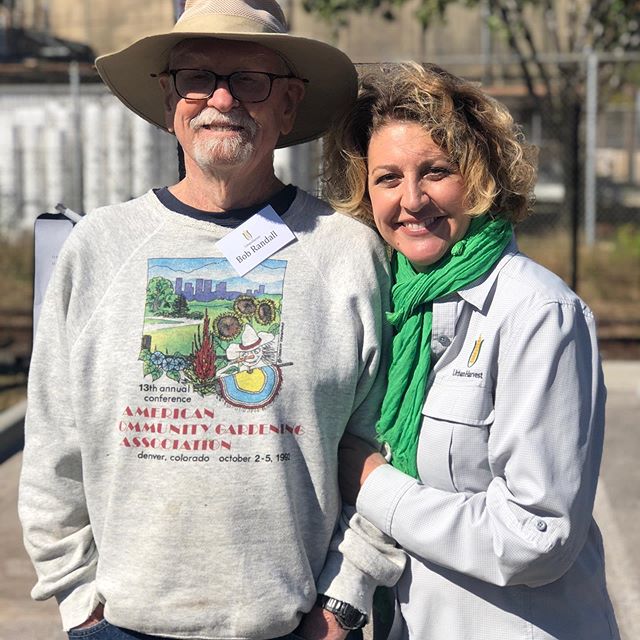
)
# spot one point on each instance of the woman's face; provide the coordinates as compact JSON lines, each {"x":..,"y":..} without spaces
{"x":416,"y":193}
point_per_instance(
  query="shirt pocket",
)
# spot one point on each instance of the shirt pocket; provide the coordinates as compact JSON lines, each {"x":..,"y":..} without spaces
{"x":453,"y":450}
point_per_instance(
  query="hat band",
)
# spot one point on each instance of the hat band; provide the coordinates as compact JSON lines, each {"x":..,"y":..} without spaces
{"x":221,"y":24}
{"x":251,"y":346}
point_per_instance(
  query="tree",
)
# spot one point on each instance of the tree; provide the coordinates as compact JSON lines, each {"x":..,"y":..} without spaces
{"x":160,"y":296}
{"x":180,"y":307}
{"x":548,"y":38}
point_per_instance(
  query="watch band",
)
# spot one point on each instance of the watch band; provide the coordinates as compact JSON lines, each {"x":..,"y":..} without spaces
{"x":348,"y":617}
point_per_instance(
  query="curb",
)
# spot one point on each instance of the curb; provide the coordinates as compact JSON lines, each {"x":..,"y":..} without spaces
{"x":12,"y":430}
{"x":622,"y":376}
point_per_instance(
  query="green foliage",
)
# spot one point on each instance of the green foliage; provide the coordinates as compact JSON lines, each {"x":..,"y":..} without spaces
{"x":160,"y":296}
{"x":16,"y":267}
{"x":430,"y":10}
{"x":336,"y":11}
{"x":627,"y":240}
{"x":157,"y":363}
{"x":180,"y":307}
{"x":597,"y":25}
{"x":149,"y":368}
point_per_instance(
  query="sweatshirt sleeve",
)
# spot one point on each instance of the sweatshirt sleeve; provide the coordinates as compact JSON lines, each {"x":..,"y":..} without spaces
{"x":544,"y":450}
{"x":361,"y":557}
{"x":52,"y":506}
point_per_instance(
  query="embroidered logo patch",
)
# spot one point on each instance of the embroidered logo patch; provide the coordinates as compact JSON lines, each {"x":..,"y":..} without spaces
{"x":475,"y":352}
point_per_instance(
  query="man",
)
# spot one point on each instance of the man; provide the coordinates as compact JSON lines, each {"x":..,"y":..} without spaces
{"x":163,"y":491}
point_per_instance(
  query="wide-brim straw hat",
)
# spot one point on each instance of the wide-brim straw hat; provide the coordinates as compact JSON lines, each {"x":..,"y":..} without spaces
{"x":332,"y":78}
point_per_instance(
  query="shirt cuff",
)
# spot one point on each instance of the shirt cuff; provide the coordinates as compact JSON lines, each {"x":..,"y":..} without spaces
{"x":342,"y":580}
{"x":77,"y":604}
{"x":380,"y":495}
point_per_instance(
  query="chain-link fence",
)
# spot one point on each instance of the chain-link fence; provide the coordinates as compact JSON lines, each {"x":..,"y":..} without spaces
{"x":586,"y":221}
{"x":75,"y":143}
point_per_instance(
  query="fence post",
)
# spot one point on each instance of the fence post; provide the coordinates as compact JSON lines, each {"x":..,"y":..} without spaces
{"x":93,"y":166}
{"x":76,"y":199}
{"x":633,"y":141}
{"x":591,"y":124}
{"x":32,"y":165}
{"x":55,"y":154}
{"x":9,"y":176}
{"x":574,"y":142}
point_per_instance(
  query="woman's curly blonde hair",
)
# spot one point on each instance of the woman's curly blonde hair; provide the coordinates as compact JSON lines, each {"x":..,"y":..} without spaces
{"x":476,"y":132}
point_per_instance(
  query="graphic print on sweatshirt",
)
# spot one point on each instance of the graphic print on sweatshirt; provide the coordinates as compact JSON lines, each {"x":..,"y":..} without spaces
{"x":212,"y":331}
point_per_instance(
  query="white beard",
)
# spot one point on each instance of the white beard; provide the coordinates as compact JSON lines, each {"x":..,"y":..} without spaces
{"x":232,"y":149}
{"x":228,"y":151}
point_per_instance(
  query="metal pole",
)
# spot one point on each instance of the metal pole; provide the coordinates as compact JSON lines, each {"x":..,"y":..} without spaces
{"x":486,"y":45}
{"x":574,"y":119}
{"x":591,"y":125}
{"x":633,"y":142}
{"x":76,"y":132}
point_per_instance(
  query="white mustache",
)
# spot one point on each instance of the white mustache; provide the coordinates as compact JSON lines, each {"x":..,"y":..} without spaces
{"x":212,"y":117}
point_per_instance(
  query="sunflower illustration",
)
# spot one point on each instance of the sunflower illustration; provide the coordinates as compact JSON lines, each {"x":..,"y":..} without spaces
{"x":227,"y":326}
{"x":245,"y":305}
{"x":265,"y":312}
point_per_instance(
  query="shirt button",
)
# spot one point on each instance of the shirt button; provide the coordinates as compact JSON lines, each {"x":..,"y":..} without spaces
{"x":444,"y":341}
{"x":541,"y":525}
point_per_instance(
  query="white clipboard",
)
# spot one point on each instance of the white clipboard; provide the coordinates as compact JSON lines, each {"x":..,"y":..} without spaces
{"x":50,"y":231}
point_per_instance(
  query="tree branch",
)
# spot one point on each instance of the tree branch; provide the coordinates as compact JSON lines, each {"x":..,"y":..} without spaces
{"x":551,"y":23}
{"x":512,"y":17}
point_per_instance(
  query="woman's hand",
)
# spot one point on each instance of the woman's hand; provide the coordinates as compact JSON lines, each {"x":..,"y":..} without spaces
{"x":356,"y":460}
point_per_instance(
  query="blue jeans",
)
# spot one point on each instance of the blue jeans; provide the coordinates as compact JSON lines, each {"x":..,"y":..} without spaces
{"x":106,"y":631}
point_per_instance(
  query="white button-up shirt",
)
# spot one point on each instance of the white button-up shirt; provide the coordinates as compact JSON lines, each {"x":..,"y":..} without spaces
{"x":499,"y":529}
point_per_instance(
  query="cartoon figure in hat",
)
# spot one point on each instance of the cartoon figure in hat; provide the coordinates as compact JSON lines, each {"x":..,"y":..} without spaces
{"x":255,"y":350}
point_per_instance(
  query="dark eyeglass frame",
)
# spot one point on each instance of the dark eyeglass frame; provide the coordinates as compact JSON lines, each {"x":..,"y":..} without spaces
{"x":217,"y":77}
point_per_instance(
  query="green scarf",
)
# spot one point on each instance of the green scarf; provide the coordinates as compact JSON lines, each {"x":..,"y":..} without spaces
{"x":412,"y":295}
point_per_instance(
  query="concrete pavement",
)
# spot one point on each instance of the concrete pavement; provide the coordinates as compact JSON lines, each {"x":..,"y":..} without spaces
{"x":20,"y":617}
{"x":617,"y":508}
{"x":617,"y":512}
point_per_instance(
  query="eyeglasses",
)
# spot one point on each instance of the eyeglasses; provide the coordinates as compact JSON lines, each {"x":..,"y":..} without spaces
{"x":245,"y":86}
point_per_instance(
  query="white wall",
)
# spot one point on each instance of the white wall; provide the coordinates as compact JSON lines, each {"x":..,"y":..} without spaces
{"x":90,"y":151}
{"x":54,"y":148}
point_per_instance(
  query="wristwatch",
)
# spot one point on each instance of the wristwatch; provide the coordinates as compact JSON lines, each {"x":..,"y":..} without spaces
{"x":348,"y":617}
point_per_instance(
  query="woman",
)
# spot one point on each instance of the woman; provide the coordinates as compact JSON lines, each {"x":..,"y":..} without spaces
{"x":494,"y":414}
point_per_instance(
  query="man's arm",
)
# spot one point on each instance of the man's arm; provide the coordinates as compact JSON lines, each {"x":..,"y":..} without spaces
{"x":52,"y":506}
{"x":361,"y":557}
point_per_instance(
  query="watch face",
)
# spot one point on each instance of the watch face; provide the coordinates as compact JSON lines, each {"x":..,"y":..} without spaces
{"x":352,"y":618}
{"x":348,"y":617}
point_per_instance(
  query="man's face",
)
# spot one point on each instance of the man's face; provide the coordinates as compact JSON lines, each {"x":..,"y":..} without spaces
{"x":222,"y":131}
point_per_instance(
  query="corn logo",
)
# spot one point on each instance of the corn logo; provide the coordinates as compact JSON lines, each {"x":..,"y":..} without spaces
{"x":475,"y":352}
{"x":247,"y":235}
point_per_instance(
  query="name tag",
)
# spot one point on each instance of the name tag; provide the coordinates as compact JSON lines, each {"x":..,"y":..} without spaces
{"x":255,"y":240}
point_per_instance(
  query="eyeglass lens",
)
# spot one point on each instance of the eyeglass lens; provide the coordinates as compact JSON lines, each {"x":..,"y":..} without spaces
{"x":246,"y":86}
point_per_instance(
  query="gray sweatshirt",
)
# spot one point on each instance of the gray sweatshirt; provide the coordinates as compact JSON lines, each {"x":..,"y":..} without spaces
{"x":183,"y":422}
